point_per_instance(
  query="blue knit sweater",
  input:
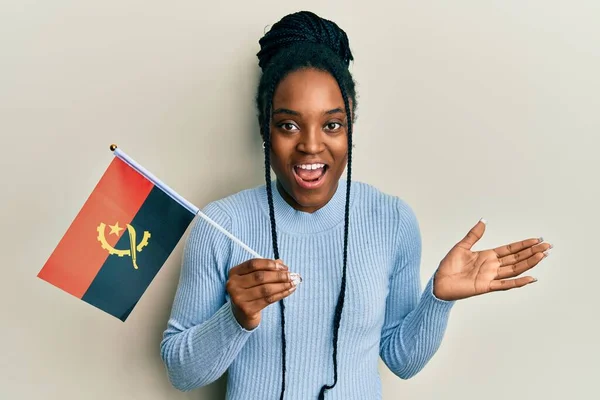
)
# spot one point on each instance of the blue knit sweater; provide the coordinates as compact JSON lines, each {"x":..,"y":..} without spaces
{"x":386,"y":314}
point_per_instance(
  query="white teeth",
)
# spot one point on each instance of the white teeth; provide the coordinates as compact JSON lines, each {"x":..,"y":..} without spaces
{"x":311,"y":166}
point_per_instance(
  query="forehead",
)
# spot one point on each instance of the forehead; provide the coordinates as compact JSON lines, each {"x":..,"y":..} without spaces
{"x":308,"y":90}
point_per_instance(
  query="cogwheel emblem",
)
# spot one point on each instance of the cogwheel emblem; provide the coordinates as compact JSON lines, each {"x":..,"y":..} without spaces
{"x":132,"y":251}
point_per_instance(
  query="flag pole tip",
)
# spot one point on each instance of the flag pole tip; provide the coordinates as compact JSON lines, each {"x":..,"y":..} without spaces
{"x":113,"y":147}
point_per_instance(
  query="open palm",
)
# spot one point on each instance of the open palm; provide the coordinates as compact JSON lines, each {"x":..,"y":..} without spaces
{"x":465,"y":273}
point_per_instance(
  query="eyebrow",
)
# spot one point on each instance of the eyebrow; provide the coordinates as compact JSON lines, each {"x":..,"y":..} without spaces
{"x":286,"y":111}
{"x":296,"y":113}
{"x":335,"y":111}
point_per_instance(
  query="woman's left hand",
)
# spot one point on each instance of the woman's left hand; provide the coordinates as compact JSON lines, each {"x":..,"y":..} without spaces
{"x":464,"y":273}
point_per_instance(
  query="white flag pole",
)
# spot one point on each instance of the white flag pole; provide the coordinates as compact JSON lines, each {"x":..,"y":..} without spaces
{"x":189,"y":206}
{"x":229,"y":235}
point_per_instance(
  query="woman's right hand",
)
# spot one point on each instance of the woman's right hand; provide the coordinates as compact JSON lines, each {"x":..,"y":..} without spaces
{"x":255,"y":284}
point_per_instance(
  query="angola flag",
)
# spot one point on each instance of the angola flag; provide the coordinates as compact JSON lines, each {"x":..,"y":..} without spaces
{"x":120,"y":238}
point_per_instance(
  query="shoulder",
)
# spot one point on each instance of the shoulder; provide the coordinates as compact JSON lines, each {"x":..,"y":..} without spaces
{"x":381,"y":205}
{"x":225,"y":210}
{"x":237,"y":204}
{"x":396,"y":217}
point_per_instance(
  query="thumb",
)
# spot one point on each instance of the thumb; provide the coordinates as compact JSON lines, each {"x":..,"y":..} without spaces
{"x":474,"y":235}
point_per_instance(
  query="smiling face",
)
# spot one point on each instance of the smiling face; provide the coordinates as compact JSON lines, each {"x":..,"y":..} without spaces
{"x":309,"y":146}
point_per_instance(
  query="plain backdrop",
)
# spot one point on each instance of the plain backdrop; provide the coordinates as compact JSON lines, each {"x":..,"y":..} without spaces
{"x":466,"y":109}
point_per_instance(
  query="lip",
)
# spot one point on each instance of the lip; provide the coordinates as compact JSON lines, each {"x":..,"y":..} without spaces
{"x":311,"y":185}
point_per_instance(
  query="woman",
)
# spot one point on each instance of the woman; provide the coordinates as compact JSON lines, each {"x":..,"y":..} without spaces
{"x":357,"y":250}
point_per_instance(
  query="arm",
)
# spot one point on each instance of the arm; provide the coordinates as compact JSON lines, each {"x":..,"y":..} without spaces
{"x":415,"y":321}
{"x":202,"y":337}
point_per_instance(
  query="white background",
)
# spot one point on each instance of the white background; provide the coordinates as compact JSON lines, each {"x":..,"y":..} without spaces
{"x":466,"y":109}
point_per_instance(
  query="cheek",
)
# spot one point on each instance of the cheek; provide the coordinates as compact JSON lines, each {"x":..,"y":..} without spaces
{"x":276,"y":163}
{"x":280,"y":151}
{"x":339,"y":149}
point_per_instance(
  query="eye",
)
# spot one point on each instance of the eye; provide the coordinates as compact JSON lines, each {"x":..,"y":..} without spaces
{"x":288,"y":127}
{"x":333,"y":126}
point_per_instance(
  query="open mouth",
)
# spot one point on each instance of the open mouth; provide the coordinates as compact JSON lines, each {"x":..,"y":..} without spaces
{"x":310,"y":176}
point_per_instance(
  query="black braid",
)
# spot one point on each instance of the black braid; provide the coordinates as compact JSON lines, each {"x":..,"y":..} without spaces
{"x":303,"y":26}
{"x":304,"y":40}
{"x":340,"y":303}
{"x":266,"y":133}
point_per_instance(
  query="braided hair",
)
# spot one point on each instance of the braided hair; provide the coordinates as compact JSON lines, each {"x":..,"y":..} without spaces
{"x":299,"y":41}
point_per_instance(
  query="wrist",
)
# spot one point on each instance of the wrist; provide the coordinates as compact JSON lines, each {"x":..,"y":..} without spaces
{"x":437,"y":287}
{"x":245,"y":322}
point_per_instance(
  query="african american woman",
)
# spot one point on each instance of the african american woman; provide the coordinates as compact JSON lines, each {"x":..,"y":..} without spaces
{"x":342,"y":286}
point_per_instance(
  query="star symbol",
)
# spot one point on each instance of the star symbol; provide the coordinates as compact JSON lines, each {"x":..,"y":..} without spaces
{"x":116,"y":229}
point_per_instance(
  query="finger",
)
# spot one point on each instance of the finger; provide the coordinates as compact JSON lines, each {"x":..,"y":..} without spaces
{"x":524,"y":254}
{"x":264,"y":291}
{"x":507,"y":284}
{"x":511,"y":271}
{"x":261,"y":303}
{"x":257,"y":264}
{"x":515,"y":247}
{"x":258,"y":278}
{"x":473,"y":236}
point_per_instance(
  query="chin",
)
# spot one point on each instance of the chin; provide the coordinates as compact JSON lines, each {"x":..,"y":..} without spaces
{"x":308,"y":194}
{"x":312,"y":198}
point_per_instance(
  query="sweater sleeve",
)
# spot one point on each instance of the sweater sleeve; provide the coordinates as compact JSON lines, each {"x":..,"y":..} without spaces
{"x":202,"y":337}
{"x":415,"y":321}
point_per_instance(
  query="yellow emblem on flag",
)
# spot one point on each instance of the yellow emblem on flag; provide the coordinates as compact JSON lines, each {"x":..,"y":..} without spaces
{"x":132,"y":251}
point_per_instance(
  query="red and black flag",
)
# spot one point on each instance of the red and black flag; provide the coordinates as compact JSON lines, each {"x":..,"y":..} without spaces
{"x":120,"y":238}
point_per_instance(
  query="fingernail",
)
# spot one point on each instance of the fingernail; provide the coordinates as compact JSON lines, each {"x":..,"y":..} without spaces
{"x":483,"y":220}
{"x":551,"y":246}
{"x":547,"y":253}
{"x":295,"y":278}
{"x":534,"y":280}
{"x":541,"y":239}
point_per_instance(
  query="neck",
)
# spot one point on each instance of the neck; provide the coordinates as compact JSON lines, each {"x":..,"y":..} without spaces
{"x":292,"y":220}
{"x":299,"y":207}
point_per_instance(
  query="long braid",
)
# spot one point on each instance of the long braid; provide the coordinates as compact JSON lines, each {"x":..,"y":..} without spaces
{"x":266,"y":132}
{"x":341,"y":298}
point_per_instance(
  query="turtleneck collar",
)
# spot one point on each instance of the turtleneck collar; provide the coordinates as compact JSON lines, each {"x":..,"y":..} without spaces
{"x":291,"y":220}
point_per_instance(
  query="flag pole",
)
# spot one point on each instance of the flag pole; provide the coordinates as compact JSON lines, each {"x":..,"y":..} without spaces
{"x":183,"y":202}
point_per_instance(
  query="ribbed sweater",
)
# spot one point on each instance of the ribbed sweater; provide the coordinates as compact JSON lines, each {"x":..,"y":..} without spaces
{"x":386,"y":314}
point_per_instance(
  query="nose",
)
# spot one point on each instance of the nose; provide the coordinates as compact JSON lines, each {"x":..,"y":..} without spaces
{"x":311,"y":141}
